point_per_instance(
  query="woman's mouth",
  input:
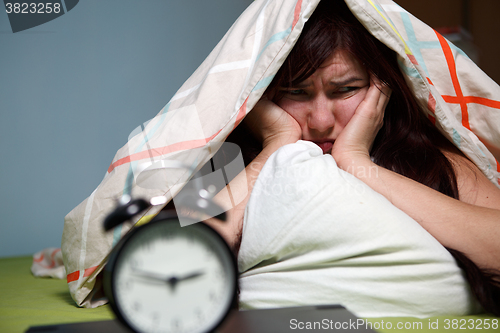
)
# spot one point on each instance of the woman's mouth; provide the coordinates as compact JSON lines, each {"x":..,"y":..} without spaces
{"x":326,"y":146}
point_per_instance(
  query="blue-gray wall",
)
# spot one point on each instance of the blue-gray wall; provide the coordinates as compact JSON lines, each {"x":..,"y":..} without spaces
{"x":72,"y":90}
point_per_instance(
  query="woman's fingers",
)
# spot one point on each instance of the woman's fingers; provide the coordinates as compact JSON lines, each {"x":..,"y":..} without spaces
{"x":359,"y":134}
{"x":373,"y":106}
{"x":376,"y":99}
{"x":384,"y":92}
{"x":269,"y":123}
{"x":263,"y":118}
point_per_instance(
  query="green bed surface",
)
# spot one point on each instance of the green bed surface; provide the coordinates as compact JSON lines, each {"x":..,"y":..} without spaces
{"x":29,"y":301}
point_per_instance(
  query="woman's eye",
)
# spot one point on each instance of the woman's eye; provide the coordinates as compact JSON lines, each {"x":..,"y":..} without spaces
{"x":295,"y":92}
{"x":346,"y":89}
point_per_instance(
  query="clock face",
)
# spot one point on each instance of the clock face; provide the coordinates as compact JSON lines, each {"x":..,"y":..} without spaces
{"x":168,"y":278}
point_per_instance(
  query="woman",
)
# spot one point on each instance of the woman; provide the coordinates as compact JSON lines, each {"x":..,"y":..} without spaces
{"x":342,"y":89}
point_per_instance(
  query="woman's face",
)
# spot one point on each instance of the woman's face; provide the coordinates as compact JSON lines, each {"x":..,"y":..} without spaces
{"x":324,"y":103}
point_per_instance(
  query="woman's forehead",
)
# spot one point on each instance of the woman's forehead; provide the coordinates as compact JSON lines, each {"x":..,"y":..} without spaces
{"x":341,"y":59}
{"x":341,"y":65}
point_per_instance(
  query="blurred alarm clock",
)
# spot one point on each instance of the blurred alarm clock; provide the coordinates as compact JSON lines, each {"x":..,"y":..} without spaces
{"x":162,"y":277}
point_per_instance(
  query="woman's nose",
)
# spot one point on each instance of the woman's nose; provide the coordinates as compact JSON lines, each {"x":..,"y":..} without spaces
{"x":321,"y":116}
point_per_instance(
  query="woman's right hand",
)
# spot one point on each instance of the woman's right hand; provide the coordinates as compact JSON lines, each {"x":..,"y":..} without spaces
{"x":272,"y":125}
{"x":356,"y":139}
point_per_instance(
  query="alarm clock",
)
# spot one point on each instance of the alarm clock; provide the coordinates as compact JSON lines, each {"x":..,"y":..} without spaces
{"x":164,"y":277}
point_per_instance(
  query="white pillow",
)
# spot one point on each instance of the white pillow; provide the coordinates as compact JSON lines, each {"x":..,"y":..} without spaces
{"x":314,"y":234}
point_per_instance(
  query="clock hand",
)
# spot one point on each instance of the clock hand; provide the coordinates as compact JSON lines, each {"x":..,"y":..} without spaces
{"x":172,"y":281}
{"x":191,"y":276}
{"x":149,"y":275}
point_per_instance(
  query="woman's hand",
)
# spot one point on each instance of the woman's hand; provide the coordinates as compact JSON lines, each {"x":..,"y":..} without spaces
{"x":272,"y":125}
{"x":275,"y":128}
{"x":356,"y":139}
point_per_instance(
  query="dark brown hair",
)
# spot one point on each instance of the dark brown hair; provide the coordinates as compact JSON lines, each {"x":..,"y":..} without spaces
{"x":408,"y":143}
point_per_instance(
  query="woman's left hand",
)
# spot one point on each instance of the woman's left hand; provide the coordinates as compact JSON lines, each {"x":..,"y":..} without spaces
{"x":356,"y":139}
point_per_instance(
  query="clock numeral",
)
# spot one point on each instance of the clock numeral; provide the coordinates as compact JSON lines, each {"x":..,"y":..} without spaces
{"x":135,"y":263}
{"x":212,"y":296}
{"x":137,"y":306}
{"x":176,"y":324}
{"x":148,"y":246}
{"x":155,"y":316}
{"x":129,"y":284}
{"x":199,"y":314}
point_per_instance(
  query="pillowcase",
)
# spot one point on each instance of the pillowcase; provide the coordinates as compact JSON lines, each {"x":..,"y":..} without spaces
{"x":314,"y":234}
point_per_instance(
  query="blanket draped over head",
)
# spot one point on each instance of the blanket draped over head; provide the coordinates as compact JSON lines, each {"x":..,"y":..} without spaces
{"x":456,"y":95}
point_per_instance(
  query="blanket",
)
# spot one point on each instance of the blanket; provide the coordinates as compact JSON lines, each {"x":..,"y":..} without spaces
{"x":315,"y":234}
{"x":462,"y":101}
{"x":48,"y":263}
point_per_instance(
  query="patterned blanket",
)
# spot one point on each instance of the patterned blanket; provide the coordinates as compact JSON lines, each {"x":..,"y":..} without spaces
{"x":457,"y":96}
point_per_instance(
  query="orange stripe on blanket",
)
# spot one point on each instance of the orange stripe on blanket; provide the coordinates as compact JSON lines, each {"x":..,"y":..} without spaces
{"x":73,"y":276}
{"x":296,"y":13}
{"x":53,"y":254}
{"x":207,"y":140}
{"x":412,"y":59}
{"x":89,"y":271}
{"x":241,"y":113}
{"x":431,"y":104}
{"x":450,"y":60}
{"x":76,"y":275}
{"x":160,"y":151}
{"x":473,"y":99}
{"x":483,"y":101}
{"x":460,"y":98}
{"x":38,"y":259}
{"x":52,"y":263}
